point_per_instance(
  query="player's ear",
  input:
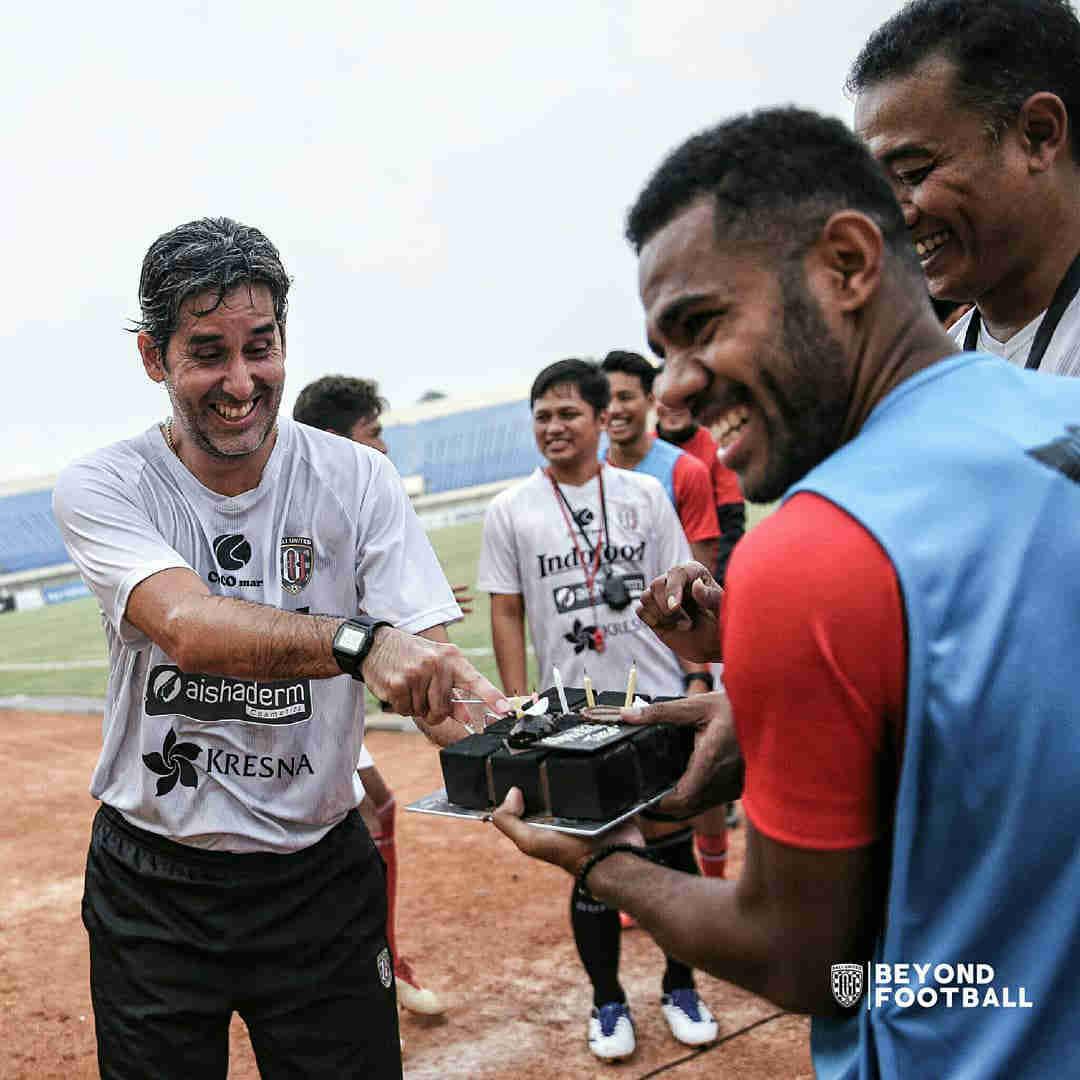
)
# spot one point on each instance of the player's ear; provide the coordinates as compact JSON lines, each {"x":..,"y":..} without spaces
{"x":848,"y":255}
{"x":1043,"y":123}
{"x":152,"y":358}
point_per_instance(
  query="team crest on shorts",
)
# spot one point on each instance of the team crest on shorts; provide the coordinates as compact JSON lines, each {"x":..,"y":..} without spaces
{"x":297,"y":562}
{"x":386,"y":968}
{"x":846,"y":983}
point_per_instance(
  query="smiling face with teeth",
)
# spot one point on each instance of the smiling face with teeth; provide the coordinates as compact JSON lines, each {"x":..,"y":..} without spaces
{"x":747,"y":351}
{"x":225,"y":371}
{"x":968,"y":198}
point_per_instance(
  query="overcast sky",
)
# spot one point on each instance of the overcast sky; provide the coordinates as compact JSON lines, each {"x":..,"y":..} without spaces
{"x":446,"y":183}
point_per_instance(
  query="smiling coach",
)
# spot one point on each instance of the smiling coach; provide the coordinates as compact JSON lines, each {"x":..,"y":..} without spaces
{"x":228,"y":868}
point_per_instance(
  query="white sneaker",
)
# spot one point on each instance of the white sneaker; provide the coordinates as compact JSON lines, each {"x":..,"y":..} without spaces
{"x":688,"y":1017}
{"x":611,"y":1031}
{"x":411,"y":995}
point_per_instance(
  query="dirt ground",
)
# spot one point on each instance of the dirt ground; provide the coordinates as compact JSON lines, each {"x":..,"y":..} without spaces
{"x":486,"y":927}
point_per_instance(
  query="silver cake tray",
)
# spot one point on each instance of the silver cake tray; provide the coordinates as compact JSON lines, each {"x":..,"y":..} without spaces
{"x":438,"y":804}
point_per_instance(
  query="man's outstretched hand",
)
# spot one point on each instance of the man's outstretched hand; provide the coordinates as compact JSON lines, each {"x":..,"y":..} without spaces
{"x":416,"y":676}
{"x":714,"y":774}
{"x":559,"y":849}
{"x":682,"y":607}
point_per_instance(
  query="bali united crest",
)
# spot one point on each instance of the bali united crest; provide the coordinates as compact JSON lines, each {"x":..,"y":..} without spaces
{"x":386,"y":968}
{"x":847,"y":980}
{"x":297,"y":562}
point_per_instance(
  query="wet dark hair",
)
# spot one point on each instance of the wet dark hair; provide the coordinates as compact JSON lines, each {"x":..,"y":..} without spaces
{"x":337,"y":402}
{"x":1003,"y":51}
{"x":591,"y":382}
{"x":211,"y":255}
{"x":774,"y":177}
{"x":631,"y":363}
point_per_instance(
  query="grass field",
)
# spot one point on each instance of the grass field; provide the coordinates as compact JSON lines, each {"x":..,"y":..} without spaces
{"x":71,"y":633}
{"x":33,"y":644}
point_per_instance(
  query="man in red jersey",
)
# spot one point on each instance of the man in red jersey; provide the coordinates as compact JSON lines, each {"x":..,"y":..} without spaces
{"x":677,"y":426}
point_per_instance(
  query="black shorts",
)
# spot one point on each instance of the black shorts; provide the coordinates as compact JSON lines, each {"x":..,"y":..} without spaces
{"x":296,"y":944}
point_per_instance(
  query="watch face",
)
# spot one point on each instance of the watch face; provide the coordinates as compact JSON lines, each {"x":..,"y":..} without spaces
{"x":351,"y":638}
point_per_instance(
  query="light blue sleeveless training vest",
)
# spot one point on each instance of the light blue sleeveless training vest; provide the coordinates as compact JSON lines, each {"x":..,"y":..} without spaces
{"x":963,"y":476}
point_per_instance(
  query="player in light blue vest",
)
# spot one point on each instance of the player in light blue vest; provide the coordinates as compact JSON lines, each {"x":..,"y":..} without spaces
{"x":900,"y":637}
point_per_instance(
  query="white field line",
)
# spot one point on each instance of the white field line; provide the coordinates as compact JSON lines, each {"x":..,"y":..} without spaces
{"x":73,"y":665}
{"x":55,"y":665}
{"x":65,"y":665}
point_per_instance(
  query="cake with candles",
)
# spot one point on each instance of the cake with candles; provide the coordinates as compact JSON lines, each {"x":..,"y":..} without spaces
{"x":569,"y":755}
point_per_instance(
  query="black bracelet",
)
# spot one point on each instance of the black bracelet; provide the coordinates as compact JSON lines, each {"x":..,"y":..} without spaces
{"x":601,"y":855}
{"x":704,"y":676}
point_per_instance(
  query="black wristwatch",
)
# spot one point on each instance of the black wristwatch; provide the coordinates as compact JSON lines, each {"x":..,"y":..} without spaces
{"x":353,"y":642}
{"x":704,"y":676}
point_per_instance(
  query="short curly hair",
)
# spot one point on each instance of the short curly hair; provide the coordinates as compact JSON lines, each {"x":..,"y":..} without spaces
{"x":1003,"y":51}
{"x":337,"y":402}
{"x":211,"y":255}
{"x":774,"y":177}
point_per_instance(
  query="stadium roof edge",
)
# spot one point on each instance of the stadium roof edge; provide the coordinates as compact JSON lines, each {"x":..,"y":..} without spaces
{"x":21,"y":485}
{"x":447,"y":406}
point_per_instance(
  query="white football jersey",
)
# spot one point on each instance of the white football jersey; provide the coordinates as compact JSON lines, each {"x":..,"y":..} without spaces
{"x":227,"y":763}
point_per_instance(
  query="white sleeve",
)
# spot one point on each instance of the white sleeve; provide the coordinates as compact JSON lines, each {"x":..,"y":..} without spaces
{"x":398,"y":576}
{"x":111,"y":538}
{"x":498,"y":571}
{"x":672,"y":547}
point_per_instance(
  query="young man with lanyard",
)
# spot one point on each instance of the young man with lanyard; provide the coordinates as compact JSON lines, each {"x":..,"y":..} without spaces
{"x":570,"y":549}
{"x":970,"y":106}
{"x":687,"y":483}
{"x":899,"y":637}
{"x":228,"y":869}
{"x":352,"y":407}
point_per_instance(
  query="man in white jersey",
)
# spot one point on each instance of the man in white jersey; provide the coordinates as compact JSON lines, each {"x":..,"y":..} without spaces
{"x":970,"y":106}
{"x":228,"y":869}
{"x":570,"y":549}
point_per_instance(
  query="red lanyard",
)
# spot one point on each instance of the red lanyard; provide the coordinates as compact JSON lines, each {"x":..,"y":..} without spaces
{"x":597,"y":552}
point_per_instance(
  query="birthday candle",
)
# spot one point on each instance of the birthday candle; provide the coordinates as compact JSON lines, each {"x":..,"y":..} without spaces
{"x":589,"y":699}
{"x":561,"y":692}
{"x":631,"y":685}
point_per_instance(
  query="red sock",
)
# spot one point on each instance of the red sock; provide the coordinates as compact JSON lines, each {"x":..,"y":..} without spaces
{"x":384,"y":841}
{"x":711,"y":850}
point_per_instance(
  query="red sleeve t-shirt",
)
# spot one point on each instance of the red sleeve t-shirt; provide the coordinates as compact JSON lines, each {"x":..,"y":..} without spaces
{"x":815,"y":665}
{"x":724,"y":481}
{"x":694,"y":499}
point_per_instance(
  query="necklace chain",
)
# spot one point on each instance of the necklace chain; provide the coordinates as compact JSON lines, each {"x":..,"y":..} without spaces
{"x":166,"y":429}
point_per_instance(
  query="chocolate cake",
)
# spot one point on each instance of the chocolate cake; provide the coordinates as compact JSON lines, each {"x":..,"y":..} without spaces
{"x":564,"y":765}
{"x":517,"y":768}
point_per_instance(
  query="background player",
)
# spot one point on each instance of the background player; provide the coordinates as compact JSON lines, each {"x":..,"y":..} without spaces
{"x":352,"y":407}
{"x":688,"y":483}
{"x":971,"y":107}
{"x":568,"y":549}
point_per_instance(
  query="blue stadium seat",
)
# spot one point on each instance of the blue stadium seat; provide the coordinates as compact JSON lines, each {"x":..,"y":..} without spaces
{"x":29,"y":537}
{"x":466,"y":448}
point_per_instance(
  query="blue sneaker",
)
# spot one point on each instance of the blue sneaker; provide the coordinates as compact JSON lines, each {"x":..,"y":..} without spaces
{"x":688,"y":1017}
{"x":611,"y":1031}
